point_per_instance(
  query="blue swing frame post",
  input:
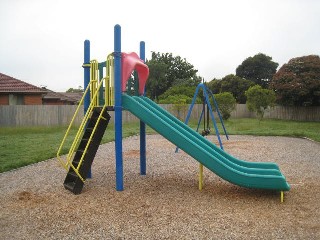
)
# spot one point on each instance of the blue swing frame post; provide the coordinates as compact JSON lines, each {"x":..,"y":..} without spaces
{"x":218,"y":111}
{"x":207,"y":100}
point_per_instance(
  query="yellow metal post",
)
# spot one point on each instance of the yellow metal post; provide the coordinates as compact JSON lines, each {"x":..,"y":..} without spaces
{"x":109,"y":98}
{"x":94,"y":77}
{"x":200,"y":177}
{"x":281,"y":196}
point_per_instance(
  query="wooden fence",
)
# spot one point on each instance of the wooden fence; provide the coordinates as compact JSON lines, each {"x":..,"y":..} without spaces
{"x":48,"y":115}
{"x":38,"y":115}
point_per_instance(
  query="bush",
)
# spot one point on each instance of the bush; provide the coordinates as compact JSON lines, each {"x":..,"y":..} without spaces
{"x":180,"y":90}
{"x":179,"y":103}
{"x":259,"y":100}
{"x":226,"y":103}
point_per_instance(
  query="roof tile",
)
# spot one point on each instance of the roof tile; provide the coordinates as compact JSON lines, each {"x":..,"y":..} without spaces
{"x":9,"y":84}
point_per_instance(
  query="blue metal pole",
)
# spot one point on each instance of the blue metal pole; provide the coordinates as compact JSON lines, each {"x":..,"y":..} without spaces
{"x":86,"y":78}
{"x":212,"y":116}
{"x":118,"y":107}
{"x":192,"y":104}
{"x":220,"y":117}
{"x":201,"y":115}
{"x":190,"y":108}
{"x":143,"y":167}
{"x":86,"y":74}
{"x":201,"y":85}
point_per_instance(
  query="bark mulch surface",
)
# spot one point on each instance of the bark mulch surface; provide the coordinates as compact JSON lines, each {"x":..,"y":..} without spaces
{"x":166,"y":203}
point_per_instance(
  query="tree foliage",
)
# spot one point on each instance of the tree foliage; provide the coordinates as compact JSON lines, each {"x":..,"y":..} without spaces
{"x":226,"y":103}
{"x":176,"y":99}
{"x":165,"y":71}
{"x":214,"y":85}
{"x":180,"y":103}
{"x":259,"y":69}
{"x":157,"y":82}
{"x":298,"y":82}
{"x":237,"y":86}
{"x":184,"y":90}
{"x":75,"y":90}
{"x":233,"y":84}
{"x":259,"y":100}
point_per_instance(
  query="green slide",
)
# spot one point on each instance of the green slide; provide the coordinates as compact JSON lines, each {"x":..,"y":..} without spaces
{"x":239,"y":172}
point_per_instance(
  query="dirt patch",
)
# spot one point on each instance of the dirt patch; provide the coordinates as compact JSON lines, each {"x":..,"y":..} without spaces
{"x":28,"y":197}
{"x":132,"y":153}
{"x":245,"y":145}
{"x":24,"y":196}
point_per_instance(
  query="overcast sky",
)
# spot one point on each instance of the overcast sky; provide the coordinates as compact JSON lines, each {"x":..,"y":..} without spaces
{"x":42,"y":40}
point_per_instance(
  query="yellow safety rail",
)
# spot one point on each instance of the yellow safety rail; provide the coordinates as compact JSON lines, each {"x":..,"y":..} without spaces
{"x":109,"y":80}
{"x":79,"y":135}
{"x":94,"y":88}
{"x":65,"y":164}
{"x":94,"y":79}
{"x":80,"y":130}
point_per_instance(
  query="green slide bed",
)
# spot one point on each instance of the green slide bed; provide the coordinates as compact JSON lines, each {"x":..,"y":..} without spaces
{"x":246,"y":174}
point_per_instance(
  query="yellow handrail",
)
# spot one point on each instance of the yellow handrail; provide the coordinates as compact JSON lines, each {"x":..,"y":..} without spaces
{"x":94,"y":96}
{"x":78,"y":137}
{"x":65,"y":165}
{"x":82,"y":127}
{"x":109,"y":86}
{"x":77,"y":140}
{"x":76,"y":169}
{"x":94,"y":76}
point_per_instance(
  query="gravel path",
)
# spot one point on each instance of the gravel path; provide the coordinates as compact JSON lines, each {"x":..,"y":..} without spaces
{"x":166,"y":203}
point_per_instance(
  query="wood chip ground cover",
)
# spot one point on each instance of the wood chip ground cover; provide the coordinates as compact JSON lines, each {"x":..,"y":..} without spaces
{"x":166,"y":203}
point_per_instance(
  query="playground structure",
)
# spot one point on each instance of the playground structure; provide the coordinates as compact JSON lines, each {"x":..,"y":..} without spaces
{"x":122,"y":91}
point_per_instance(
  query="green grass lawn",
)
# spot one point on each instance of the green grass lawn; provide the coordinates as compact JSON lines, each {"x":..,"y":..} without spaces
{"x":273,"y":127}
{"x":21,"y":146}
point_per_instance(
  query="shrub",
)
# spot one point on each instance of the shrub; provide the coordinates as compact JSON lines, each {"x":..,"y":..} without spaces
{"x":179,"y":103}
{"x":226,"y":103}
{"x":259,"y":100}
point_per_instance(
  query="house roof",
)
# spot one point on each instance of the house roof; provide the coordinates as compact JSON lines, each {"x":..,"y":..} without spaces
{"x":9,"y":84}
{"x":74,"y":95}
{"x":60,"y":96}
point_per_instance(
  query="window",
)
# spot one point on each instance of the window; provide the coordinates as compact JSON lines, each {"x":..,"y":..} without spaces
{"x":16,"y":99}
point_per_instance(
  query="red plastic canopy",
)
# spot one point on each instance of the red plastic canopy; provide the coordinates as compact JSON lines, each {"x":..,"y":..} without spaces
{"x":130,"y":62}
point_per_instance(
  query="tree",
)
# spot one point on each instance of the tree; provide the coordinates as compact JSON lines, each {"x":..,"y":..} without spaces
{"x":259,"y":69}
{"x":214,"y":85}
{"x":166,"y":70}
{"x":298,"y":82}
{"x":259,"y":100}
{"x":226,"y":103}
{"x":179,"y":102}
{"x":233,"y":84}
{"x":157,"y":82}
{"x":187,"y":91}
{"x":237,"y":86}
{"x":75,"y":90}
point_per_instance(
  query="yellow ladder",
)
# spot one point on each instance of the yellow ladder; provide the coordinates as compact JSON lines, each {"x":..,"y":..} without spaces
{"x":94,"y":86}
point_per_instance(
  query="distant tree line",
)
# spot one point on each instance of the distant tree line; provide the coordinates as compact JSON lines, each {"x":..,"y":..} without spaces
{"x":257,"y":83}
{"x":297,"y":83}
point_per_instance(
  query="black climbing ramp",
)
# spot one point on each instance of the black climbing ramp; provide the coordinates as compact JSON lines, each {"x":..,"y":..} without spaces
{"x":73,"y":182}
